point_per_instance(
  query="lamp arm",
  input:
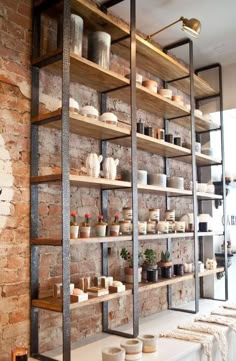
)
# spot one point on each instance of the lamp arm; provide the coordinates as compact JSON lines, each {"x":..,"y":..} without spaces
{"x":166,"y":27}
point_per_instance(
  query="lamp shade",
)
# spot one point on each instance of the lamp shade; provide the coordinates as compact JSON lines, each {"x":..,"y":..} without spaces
{"x":191,"y":26}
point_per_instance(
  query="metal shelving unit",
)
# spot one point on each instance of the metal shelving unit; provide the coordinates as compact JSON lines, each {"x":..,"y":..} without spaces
{"x":129,"y":45}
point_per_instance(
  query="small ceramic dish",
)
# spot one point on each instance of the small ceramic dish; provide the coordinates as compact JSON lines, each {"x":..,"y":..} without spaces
{"x":109,"y":118}
{"x":150,"y":84}
{"x":166,"y":93}
{"x":89,"y":111}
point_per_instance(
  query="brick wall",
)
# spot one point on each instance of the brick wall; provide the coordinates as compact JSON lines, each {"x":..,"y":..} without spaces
{"x":15,"y":25}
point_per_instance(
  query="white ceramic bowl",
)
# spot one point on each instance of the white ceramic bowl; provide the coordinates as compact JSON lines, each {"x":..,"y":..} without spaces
{"x":109,"y":118}
{"x":166,"y":93}
{"x":73,"y":105}
{"x":89,"y":111}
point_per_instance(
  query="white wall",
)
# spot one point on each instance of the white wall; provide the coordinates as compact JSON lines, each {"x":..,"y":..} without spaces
{"x":229,"y":86}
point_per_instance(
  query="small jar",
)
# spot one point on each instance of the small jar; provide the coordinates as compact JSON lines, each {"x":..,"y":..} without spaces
{"x":142,"y":227}
{"x":163,"y":227}
{"x":127,"y":213}
{"x":126,"y":227}
{"x":151,"y":227}
{"x":170,"y":215}
{"x":171,"y":227}
{"x":149,"y":131}
{"x":154,"y":214}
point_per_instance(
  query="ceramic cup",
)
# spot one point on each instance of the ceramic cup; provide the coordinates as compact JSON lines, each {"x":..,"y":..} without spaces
{"x":149,"y":343}
{"x":180,"y":227}
{"x":151,"y":227}
{"x":154,"y":214}
{"x":142,"y":227}
{"x":163,"y":227}
{"x":142,"y":177}
{"x":133,"y":349}
{"x":170,"y":215}
{"x":127,"y":213}
{"x":113,"y":354}
{"x":166,"y":93}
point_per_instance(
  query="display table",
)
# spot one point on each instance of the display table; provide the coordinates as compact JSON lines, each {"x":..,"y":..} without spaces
{"x":168,"y":349}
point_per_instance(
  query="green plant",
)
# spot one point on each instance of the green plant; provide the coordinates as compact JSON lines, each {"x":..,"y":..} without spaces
{"x":127,"y":256}
{"x":150,"y":257}
{"x":165,"y":256}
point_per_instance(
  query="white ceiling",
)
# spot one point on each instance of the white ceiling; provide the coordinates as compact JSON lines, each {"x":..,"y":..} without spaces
{"x":218,"y":18}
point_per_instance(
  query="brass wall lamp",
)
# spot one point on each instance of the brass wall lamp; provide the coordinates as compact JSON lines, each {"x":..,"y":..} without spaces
{"x":190,"y":26}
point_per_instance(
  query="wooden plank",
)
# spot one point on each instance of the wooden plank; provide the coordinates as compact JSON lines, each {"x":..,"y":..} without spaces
{"x":96,"y":300}
{"x":162,"y":190}
{"x":86,"y":181}
{"x":201,"y":124}
{"x":201,"y":195}
{"x":149,"y":237}
{"x":78,"y":241}
{"x":211,"y":272}
{"x":201,"y":159}
{"x":163,"y":282}
{"x":46,"y":242}
{"x":48,"y":303}
{"x":46,"y":178}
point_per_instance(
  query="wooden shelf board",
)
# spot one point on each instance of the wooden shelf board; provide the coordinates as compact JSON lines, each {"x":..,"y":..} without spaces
{"x":162,"y":282}
{"x":165,"y":235}
{"x":211,"y":272}
{"x":201,"y":124}
{"x":201,"y":195}
{"x":201,"y":159}
{"x":46,"y":178}
{"x":55,"y":304}
{"x":100,"y":240}
{"x":46,"y":241}
{"x":86,"y":181}
{"x":162,"y":190}
{"x":82,"y":125}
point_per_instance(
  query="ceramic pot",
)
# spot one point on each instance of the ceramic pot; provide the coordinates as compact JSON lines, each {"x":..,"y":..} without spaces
{"x":127,"y":213}
{"x":175,"y":182}
{"x":154,"y":214}
{"x":169,"y":138}
{"x":73,"y":105}
{"x":142,"y":177}
{"x":167,"y":272}
{"x":151,"y":227}
{"x":133,"y":349}
{"x":113,"y":354}
{"x":114,"y":230}
{"x":129,"y":272}
{"x":171,"y":227}
{"x":150,"y":84}
{"x":93,"y":164}
{"x":177,"y":141}
{"x":99,"y":48}
{"x":149,"y":343}
{"x":180,"y":227}
{"x":77,"y":26}
{"x":159,"y":133}
{"x":152,"y":274}
{"x":149,"y":131}
{"x":84,"y":231}
{"x":178,"y":99}
{"x":157,"y":179}
{"x":19,"y":353}
{"x":166,"y":93}
{"x":100,"y":230}
{"x":110,"y":168}
{"x":163,"y":227}
{"x":108,"y":118}
{"x":140,"y":127}
{"x":89,"y":111}
{"x":170,"y":215}
{"x":142,"y":227}
{"x":126,"y":227}
{"x":179,"y":269}
{"x":74,"y":232}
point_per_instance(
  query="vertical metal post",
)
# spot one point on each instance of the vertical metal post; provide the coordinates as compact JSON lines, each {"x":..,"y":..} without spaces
{"x":134,"y":164}
{"x":223,"y":178}
{"x":65,"y":165}
{"x":194,"y":178}
{"x":104,"y":207}
{"x":34,"y":261}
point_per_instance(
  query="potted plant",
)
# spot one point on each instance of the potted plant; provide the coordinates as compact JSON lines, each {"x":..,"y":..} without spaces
{"x":166,"y":264}
{"x":129,"y":272}
{"x":74,"y":227}
{"x":100,"y":227}
{"x":85,"y":227}
{"x":115,"y":226}
{"x":149,"y":267}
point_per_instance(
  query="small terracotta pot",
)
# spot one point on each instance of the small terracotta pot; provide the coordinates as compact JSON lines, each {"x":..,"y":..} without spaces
{"x":129,"y":274}
{"x":150,"y":84}
{"x":74,"y":232}
{"x":85,"y":231}
{"x":100,"y":230}
{"x":114,"y":230}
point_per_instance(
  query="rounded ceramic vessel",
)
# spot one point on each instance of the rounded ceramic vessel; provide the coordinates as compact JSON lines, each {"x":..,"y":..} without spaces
{"x":157,"y":179}
{"x":170,"y":215}
{"x":149,"y":343}
{"x":142,"y":177}
{"x":150,"y":84}
{"x":109,"y":118}
{"x":113,"y":354}
{"x":163,"y":227}
{"x":166,"y":93}
{"x":89,"y":111}
{"x":133,"y":349}
{"x":180,"y":226}
{"x":154,"y":214}
{"x":175,"y":182}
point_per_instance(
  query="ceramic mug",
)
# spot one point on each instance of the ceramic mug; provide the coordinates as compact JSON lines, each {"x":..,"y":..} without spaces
{"x":149,"y":343}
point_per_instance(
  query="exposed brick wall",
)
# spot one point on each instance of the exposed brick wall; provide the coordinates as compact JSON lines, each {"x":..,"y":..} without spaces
{"x":15,"y":48}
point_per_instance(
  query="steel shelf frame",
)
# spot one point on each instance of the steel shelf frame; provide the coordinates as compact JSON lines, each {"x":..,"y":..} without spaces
{"x":219,"y":95}
{"x":174,"y":45}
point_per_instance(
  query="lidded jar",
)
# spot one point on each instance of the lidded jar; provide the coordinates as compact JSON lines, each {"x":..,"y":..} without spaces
{"x":127,"y":213}
{"x":154,"y":214}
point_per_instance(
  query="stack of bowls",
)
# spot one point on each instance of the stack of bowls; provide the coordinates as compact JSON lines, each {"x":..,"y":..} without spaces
{"x":175,"y":182}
